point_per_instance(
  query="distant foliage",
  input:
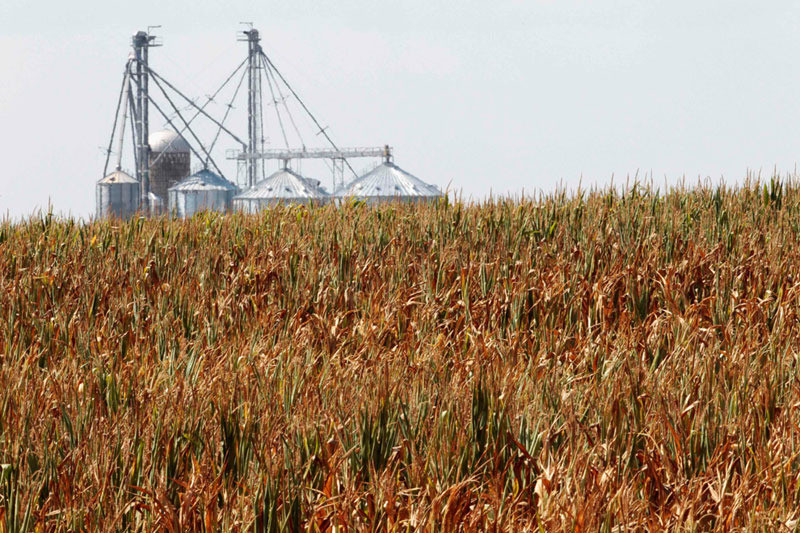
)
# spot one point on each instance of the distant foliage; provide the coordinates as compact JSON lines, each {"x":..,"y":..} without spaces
{"x":602,"y":361}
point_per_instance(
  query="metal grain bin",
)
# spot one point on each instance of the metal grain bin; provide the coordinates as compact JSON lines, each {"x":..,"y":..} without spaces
{"x":284,"y":187}
{"x":117,"y":196}
{"x":387,"y":183}
{"x":202,"y":191}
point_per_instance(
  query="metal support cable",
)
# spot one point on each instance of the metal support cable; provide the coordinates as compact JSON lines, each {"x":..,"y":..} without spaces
{"x":121,"y":140}
{"x":213,"y":96}
{"x":116,"y":118}
{"x":228,"y":110}
{"x":169,"y":121}
{"x":227,"y":80}
{"x":196,"y":138}
{"x":285,"y":105}
{"x":199,"y":109}
{"x":275,"y":102}
{"x":308,"y":111}
{"x":197,"y":113}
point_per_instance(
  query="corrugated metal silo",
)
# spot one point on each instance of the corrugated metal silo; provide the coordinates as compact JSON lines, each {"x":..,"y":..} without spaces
{"x":170,"y":161}
{"x":387,"y":183}
{"x":202,"y":191}
{"x":284,"y":187}
{"x":117,"y":196}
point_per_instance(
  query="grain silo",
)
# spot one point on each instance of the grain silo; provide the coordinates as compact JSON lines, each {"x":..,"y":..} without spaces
{"x":202,"y":191}
{"x":169,"y":161}
{"x":117,"y":195}
{"x":387,"y":183}
{"x":284,"y":187}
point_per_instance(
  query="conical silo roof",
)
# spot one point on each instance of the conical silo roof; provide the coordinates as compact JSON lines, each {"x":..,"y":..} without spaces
{"x":388,"y":181}
{"x":284,"y":184}
{"x":205,"y":180}
{"x":118,"y":176}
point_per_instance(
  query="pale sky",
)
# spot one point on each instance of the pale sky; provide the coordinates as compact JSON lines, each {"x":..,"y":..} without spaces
{"x":504,"y":96}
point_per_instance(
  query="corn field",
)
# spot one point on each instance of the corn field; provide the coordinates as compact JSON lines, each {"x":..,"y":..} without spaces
{"x":594,"y":361}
